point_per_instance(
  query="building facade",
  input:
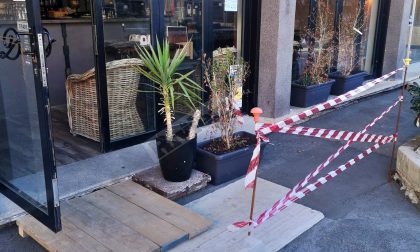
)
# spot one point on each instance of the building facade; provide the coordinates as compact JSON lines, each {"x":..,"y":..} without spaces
{"x":382,"y":45}
{"x":68,"y":91}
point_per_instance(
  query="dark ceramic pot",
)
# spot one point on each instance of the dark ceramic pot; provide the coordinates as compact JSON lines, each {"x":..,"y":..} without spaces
{"x":225,"y":167}
{"x":176,"y":158}
{"x":343,"y":84}
{"x":306,"y":96}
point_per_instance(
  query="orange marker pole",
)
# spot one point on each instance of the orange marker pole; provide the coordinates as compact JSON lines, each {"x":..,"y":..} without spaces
{"x":256,"y":112}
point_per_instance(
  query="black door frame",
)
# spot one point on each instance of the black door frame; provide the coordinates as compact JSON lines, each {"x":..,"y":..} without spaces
{"x":380,"y":37}
{"x":52,"y":217}
{"x":251,"y":29}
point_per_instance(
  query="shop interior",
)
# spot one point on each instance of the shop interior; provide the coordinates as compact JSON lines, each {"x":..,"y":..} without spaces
{"x":126,"y":23}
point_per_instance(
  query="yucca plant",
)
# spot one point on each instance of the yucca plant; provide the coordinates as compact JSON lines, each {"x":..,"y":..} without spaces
{"x":161,"y":69}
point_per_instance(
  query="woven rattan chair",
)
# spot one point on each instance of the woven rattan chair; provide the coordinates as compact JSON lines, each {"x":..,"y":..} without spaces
{"x":82,"y":107}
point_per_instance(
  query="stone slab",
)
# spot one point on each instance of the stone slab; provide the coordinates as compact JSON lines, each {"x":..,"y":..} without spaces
{"x":408,"y":169}
{"x":231,"y":203}
{"x":154,"y":181}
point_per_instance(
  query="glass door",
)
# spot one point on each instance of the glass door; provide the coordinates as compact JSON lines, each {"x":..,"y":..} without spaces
{"x":27,"y":171}
{"x":128,"y":115}
{"x":183,"y":26}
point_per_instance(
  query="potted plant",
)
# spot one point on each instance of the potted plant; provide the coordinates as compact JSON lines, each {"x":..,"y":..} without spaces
{"x":414,"y":90}
{"x":228,"y":156}
{"x":314,"y":86}
{"x":176,"y":150}
{"x":351,"y":29}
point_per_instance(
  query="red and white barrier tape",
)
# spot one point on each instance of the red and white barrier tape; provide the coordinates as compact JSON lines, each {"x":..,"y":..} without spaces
{"x":268,"y":128}
{"x":351,"y":137}
{"x":238,"y":114}
{"x":332,"y":134}
{"x":253,"y":164}
{"x":340,"y":150}
{"x":283,"y":203}
{"x":326,"y":105}
{"x":251,"y":172}
{"x":277,"y":207}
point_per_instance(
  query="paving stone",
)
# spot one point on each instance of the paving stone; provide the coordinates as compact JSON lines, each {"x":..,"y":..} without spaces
{"x":153,"y":180}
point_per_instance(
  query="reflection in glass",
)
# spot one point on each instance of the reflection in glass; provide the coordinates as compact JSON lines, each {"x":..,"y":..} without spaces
{"x":21,"y":158}
{"x":305,"y":22}
{"x":360,"y":21}
{"x":361,"y":15}
{"x":183,"y":27}
{"x":227,"y":26}
{"x":415,"y":41}
{"x":127,"y":23}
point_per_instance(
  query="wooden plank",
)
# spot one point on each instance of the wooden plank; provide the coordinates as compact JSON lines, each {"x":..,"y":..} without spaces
{"x":84,"y":239}
{"x":270,"y":236}
{"x":155,"y":229}
{"x":165,"y":209}
{"x":69,"y":148}
{"x":46,"y":238}
{"x":104,"y":228}
{"x":22,"y":232}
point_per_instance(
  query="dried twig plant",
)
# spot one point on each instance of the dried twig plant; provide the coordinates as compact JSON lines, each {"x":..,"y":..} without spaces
{"x":320,"y":49}
{"x":223,"y":75}
{"x":351,"y":36}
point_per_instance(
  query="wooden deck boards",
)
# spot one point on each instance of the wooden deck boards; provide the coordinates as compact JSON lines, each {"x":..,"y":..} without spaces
{"x":123,"y":217}
{"x":69,"y":148}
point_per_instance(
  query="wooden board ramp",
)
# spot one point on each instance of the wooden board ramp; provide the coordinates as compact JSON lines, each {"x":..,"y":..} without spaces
{"x":231,"y":203}
{"x":122,"y":217}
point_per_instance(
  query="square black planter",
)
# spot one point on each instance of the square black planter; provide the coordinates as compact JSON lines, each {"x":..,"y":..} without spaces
{"x":225,"y":167}
{"x":343,"y":84}
{"x":306,"y":96}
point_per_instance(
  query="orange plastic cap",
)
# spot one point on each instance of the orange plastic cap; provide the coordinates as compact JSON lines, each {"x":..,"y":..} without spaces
{"x":256,"y":112}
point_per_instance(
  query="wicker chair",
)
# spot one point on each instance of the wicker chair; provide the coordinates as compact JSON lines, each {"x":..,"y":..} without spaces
{"x":82,"y":107}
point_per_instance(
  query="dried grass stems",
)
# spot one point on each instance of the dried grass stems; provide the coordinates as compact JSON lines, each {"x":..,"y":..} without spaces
{"x":351,"y":36}
{"x":223,"y":86}
{"x":320,"y":51}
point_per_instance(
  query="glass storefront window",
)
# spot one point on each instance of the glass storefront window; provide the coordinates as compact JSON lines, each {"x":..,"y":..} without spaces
{"x":227,"y":25}
{"x":127,"y":24}
{"x":358,"y":18}
{"x":305,"y":21}
{"x":415,"y":41}
{"x":361,"y":16}
{"x":227,"y":32}
{"x":183,"y":27}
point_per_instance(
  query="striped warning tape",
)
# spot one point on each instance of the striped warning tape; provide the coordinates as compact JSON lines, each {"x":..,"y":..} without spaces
{"x":297,"y":192}
{"x":252,"y":168}
{"x":340,"y":150}
{"x":268,"y":128}
{"x":277,"y":207}
{"x":283,"y":203}
{"x":326,"y":105}
{"x":332,"y":134}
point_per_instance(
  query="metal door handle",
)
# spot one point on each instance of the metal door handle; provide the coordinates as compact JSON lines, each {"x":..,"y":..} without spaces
{"x":50,"y":41}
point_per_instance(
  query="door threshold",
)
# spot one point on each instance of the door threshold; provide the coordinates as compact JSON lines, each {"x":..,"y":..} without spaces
{"x":92,"y":174}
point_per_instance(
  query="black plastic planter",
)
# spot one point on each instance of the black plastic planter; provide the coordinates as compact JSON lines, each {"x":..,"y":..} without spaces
{"x":343,"y":84}
{"x":225,"y":167}
{"x":176,"y":158}
{"x":306,"y":96}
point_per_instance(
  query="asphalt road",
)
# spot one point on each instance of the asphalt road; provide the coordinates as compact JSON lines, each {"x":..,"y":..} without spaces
{"x":363,"y":212}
